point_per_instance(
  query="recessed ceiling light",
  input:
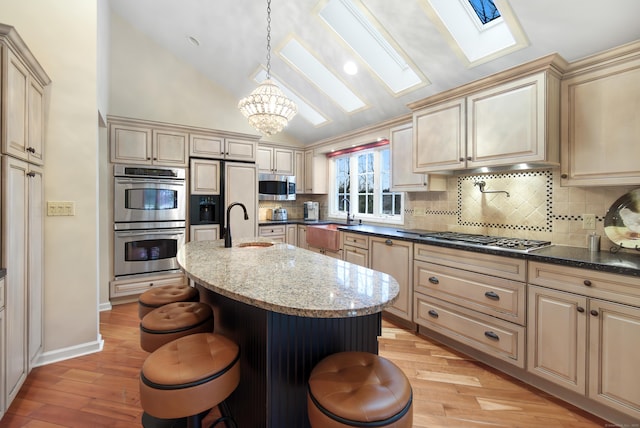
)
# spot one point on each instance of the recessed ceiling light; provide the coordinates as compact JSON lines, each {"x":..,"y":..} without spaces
{"x":193,"y":40}
{"x":350,"y":68}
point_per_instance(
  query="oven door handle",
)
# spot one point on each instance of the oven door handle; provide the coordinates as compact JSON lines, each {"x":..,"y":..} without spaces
{"x":150,"y":232}
{"x":121,"y":180}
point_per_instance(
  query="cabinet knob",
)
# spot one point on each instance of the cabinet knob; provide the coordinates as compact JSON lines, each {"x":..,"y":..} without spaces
{"x":151,"y":284}
{"x":155,"y":158}
{"x":468,"y":157}
{"x":587,"y":283}
{"x":434,"y":280}
{"x":580,"y":309}
{"x":31,"y":150}
{"x":491,"y":295}
{"x":564,"y":176}
{"x":432,"y":313}
{"x":148,"y":158}
{"x":388,"y":242}
{"x":31,"y":174}
{"x":461,"y":159}
{"x":491,"y":335}
{"x":594,"y":312}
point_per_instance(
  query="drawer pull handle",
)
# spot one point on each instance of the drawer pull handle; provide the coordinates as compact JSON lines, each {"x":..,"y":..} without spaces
{"x":580,"y":309}
{"x":388,"y":242}
{"x":433,"y":313}
{"x":491,"y":335}
{"x":594,"y":312}
{"x":587,"y":283}
{"x":491,"y":295}
{"x":434,"y":280}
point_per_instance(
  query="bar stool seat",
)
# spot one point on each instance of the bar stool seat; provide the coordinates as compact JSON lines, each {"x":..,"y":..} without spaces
{"x":159,"y":296}
{"x":172,"y":321}
{"x":359,"y":389}
{"x":189,"y":376}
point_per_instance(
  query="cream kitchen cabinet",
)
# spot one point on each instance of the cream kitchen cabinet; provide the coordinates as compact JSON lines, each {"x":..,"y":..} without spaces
{"x":139,"y":143}
{"x":216,"y":146}
{"x":241,"y":185}
{"x":594,"y":318}
{"x":3,"y":351}
{"x":204,"y":232}
{"x":355,"y":248}
{"x":292,"y":234}
{"x":128,"y":289}
{"x":315,"y":173}
{"x":22,"y":254}
{"x":275,"y":160}
{"x":395,"y":257}
{"x":205,"y":177}
{"x":23,"y":99}
{"x":473,"y":298}
{"x":403,"y":179}
{"x":600,"y":119}
{"x":276,"y":233}
{"x":331,"y":253}
{"x":505,"y":119}
{"x":298,"y":156}
{"x":302,"y":237}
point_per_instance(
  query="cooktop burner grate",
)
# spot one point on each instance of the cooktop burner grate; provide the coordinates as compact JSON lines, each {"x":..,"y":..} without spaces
{"x":489,"y":241}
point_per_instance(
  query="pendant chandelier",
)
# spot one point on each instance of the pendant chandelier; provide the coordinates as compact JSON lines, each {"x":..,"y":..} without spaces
{"x":267,"y":108}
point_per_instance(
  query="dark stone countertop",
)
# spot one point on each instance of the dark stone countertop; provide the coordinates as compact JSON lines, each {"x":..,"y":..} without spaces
{"x":624,"y":263}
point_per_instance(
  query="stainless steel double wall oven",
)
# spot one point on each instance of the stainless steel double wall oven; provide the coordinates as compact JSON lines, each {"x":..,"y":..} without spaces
{"x":149,"y":218}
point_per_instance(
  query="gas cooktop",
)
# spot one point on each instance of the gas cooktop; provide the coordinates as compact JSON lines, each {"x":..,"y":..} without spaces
{"x":514,"y":244}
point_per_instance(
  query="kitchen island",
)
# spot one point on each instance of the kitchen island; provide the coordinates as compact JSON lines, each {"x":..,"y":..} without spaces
{"x":287,"y":308}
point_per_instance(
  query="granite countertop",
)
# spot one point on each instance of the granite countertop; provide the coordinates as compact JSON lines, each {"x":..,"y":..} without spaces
{"x":287,"y":279}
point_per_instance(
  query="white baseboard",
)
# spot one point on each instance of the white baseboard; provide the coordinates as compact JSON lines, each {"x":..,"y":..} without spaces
{"x":70,"y":352}
{"x":105,"y":306}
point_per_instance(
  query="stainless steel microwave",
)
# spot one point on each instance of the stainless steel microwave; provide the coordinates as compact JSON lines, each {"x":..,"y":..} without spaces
{"x":275,"y":187}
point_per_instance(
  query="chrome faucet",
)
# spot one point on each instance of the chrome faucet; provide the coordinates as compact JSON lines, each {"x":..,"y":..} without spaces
{"x":227,"y":229}
{"x":348,"y":210}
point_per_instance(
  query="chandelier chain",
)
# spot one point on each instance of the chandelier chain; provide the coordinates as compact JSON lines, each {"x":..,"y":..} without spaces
{"x":268,"y":39}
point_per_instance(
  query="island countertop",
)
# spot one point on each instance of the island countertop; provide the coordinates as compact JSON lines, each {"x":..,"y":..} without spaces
{"x":287,"y":279}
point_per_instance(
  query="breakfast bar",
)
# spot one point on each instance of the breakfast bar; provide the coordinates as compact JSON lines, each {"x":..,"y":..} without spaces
{"x":287,"y":308}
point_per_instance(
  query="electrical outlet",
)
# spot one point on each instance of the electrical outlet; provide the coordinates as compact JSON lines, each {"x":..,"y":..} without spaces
{"x":61,"y":208}
{"x":588,"y":221}
{"x":418,"y":212}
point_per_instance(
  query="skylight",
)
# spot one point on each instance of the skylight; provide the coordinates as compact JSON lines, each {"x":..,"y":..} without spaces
{"x":476,"y":28}
{"x":364,"y":38}
{"x":319,"y":75}
{"x":304,"y":110}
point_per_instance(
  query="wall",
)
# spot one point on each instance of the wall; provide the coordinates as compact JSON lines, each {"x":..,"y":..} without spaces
{"x":63,"y":39}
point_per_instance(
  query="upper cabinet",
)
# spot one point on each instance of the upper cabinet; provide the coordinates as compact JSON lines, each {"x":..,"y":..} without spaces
{"x":23,"y":99}
{"x":505,"y":119}
{"x":403,"y":179}
{"x":275,"y":160}
{"x":315,"y":173}
{"x":600,"y":118}
{"x":214,"y":146}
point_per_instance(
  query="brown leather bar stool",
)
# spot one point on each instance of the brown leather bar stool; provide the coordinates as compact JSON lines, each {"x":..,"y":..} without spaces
{"x":159,"y":296}
{"x":359,"y":389}
{"x":172,"y":321}
{"x":187,"y":377}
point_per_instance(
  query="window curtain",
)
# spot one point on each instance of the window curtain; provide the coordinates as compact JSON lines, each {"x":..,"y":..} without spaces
{"x":358,"y":148}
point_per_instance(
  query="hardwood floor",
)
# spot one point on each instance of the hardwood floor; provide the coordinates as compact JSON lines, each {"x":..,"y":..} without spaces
{"x":450,"y":390}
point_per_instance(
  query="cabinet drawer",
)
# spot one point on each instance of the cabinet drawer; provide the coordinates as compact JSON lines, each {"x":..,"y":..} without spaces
{"x":356,"y":240}
{"x":498,"y":297}
{"x":128,"y":287}
{"x":608,"y":286}
{"x":498,"y":338}
{"x":1,"y":293}
{"x":503,"y":267}
{"x":277,"y":230}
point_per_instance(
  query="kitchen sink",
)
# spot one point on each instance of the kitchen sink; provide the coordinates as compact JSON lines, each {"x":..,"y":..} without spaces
{"x":255,"y":244}
{"x":325,"y":236}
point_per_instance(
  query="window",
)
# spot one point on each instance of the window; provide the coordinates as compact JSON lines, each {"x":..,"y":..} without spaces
{"x":362,"y":186}
{"x":485,"y":9}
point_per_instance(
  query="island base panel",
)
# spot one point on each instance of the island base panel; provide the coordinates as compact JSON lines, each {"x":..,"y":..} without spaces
{"x":278,"y":352}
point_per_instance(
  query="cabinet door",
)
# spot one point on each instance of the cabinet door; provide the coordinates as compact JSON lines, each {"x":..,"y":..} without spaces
{"x":205,"y":177}
{"x":242,"y":150}
{"x":35,"y":248}
{"x":35,"y":120}
{"x":613,"y":356}
{"x":599,"y":122}
{"x":170,"y":148}
{"x":14,"y":257}
{"x":356,"y":255}
{"x":402,"y":177}
{"x":557,"y":332}
{"x":2,"y":359}
{"x":206,"y":146}
{"x":292,"y":234}
{"x":439,"y":137}
{"x":241,"y":185}
{"x":302,"y":237}
{"x":204,"y":232}
{"x":130,"y":144}
{"x":506,"y":123}
{"x":299,"y":170}
{"x":315,"y":173}
{"x":283,"y":161}
{"x":264,"y":159}
{"x":395,"y":258}
{"x":15,"y":100}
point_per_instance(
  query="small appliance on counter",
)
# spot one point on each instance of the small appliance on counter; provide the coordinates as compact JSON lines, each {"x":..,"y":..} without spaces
{"x":279,"y":214}
{"x":311,"y":211}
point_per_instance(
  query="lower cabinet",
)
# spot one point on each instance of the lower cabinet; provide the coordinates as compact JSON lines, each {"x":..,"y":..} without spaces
{"x":395,"y":257}
{"x":125,"y":290}
{"x":302,"y":237}
{"x":2,"y":351}
{"x":335,"y":254}
{"x":204,"y":232}
{"x":292,"y":234}
{"x":277,"y":233}
{"x":355,"y":248}
{"x":583,"y":333}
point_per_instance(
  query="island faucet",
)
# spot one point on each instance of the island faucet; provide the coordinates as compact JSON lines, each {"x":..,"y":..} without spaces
{"x":348,"y":210}
{"x":227,"y":229}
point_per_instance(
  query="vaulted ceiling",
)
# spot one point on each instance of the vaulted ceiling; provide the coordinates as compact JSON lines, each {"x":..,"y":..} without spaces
{"x":232,"y":46}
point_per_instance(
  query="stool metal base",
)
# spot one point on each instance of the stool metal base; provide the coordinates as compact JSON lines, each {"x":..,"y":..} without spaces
{"x":195,"y":421}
